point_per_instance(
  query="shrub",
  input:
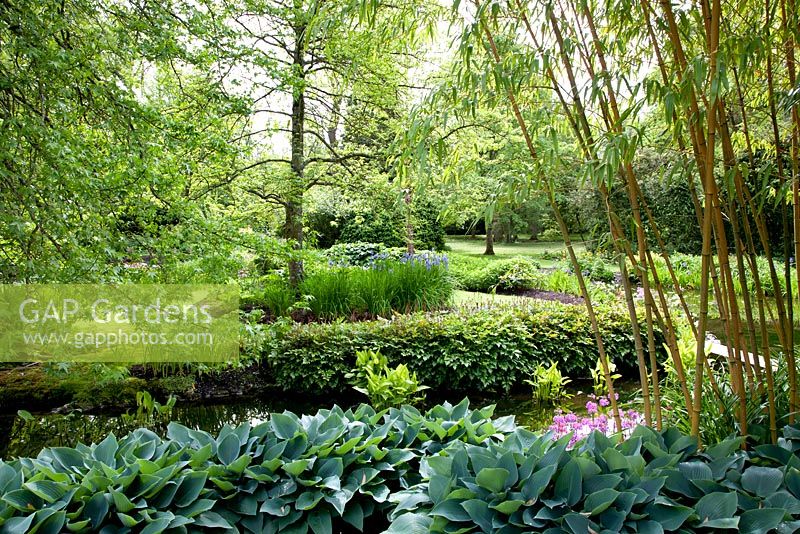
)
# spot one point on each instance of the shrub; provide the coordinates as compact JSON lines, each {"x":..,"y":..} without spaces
{"x":464,"y":350}
{"x":551,"y":234}
{"x":358,"y":254}
{"x":509,"y":275}
{"x":384,"y":220}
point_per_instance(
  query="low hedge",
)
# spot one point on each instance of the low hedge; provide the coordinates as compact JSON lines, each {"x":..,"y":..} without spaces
{"x":448,"y":470}
{"x":467,"y":350}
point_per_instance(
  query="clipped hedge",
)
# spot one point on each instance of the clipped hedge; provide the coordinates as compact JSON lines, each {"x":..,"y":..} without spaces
{"x":466,"y":350}
{"x":448,"y":470}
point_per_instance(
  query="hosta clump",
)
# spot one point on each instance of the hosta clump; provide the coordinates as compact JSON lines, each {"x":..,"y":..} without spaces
{"x":332,"y":470}
{"x":653,"y":482}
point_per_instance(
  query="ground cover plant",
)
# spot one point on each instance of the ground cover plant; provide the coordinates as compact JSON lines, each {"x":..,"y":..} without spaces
{"x":401,"y":470}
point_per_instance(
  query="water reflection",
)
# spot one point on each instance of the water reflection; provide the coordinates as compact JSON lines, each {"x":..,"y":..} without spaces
{"x":26,"y":438}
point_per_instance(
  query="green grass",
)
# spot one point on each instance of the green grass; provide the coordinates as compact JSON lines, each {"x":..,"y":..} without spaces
{"x":471,"y":298}
{"x":463,"y":245}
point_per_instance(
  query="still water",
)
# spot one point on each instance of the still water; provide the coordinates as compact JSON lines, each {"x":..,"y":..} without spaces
{"x":20,"y":437}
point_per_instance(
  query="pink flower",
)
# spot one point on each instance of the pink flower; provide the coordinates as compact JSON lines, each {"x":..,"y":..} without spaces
{"x":591,"y":407}
{"x":604,"y":401}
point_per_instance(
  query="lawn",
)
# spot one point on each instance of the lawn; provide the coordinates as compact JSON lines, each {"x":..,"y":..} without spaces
{"x":538,"y":250}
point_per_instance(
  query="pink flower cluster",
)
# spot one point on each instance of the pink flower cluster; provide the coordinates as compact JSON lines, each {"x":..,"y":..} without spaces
{"x":599,"y":418}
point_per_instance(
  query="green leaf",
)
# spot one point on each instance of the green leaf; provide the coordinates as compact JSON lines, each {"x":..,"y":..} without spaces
{"x":47,"y":490}
{"x":320,"y":522}
{"x":284,"y":426}
{"x":569,"y":484}
{"x":97,"y":509}
{"x":190,"y":487}
{"x":479,"y":513}
{"x":493,"y":479}
{"x":760,"y":520}
{"x":599,"y":501}
{"x":296,"y":467}
{"x":410,"y":524}
{"x":508,"y":507}
{"x":717,"y":505}
{"x":536,"y":484}
{"x":228,"y":449}
{"x":761,"y":481}
{"x":17,"y":525}
{"x":52,"y":524}
{"x":104,"y":451}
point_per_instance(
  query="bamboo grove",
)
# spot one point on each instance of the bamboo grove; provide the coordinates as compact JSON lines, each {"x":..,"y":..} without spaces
{"x":576,"y":77}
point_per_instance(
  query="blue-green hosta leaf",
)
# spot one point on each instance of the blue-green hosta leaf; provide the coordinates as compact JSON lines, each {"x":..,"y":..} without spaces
{"x":577,"y":523}
{"x":23,"y":500}
{"x":508,"y":507}
{"x":284,"y":426}
{"x":493,"y":479}
{"x":668,"y":516}
{"x":761,"y":481}
{"x":760,"y":520}
{"x":197,"y":507}
{"x":599,"y":501}
{"x":308,"y":500}
{"x":69,"y":459}
{"x":716,"y":505}
{"x":410,"y":524}
{"x":212,"y":520}
{"x":339,"y":499}
{"x":695,"y":471}
{"x":47,"y":490}
{"x":17,"y":525}
{"x":96,"y":509}
{"x":569,"y":484}
{"x":105,"y":451}
{"x":10,"y":478}
{"x":320,"y":522}
{"x":228,"y":449}
{"x":536,"y":484}
{"x":452,"y":510}
{"x":190,"y":487}
{"x":245,"y":505}
{"x":276,"y":506}
{"x":480,"y":513}
{"x":51,"y":524}
{"x":354,"y":515}
{"x":649,"y":527}
{"x":783,"y":499}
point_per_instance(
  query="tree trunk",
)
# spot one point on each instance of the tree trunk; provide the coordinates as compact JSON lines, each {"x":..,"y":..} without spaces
{"x":293,"y":228}
{"x":490,"y":238}
{"x":409,"y":222}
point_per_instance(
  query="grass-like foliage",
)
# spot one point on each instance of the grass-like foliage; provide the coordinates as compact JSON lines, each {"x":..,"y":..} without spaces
{"x":384,"y":287}
{"x":449,"y":469}
{"x":385,"y":386}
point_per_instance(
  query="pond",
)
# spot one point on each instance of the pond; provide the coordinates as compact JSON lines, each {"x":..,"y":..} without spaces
{"x":19,"y":437}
